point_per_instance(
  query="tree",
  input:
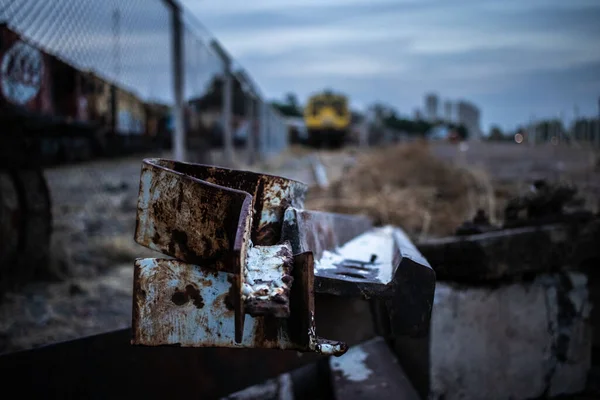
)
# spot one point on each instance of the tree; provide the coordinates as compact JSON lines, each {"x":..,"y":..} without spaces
{"x":290,"y":107}
{"x":292,"y":100}
{"x":496,"y":133}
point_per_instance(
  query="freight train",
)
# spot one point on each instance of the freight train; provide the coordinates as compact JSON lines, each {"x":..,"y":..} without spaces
{"x":327,"y":118}
{"x":54,"y":113}
{"x":66,"y":113}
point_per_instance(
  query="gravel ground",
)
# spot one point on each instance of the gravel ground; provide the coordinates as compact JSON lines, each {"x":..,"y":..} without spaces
{"x":94,"y":214}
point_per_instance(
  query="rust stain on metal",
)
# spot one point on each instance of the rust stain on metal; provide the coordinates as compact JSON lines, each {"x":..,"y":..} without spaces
{"x":268,"y":280}
{"x":191,"y":293}
{"x":207,"y":215}
{"x":189,"y":219}
{"x":236,"y":281}
{"x":166,"y":311}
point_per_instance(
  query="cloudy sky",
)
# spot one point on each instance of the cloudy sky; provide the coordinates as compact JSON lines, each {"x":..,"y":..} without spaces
{"x":513,"y":58}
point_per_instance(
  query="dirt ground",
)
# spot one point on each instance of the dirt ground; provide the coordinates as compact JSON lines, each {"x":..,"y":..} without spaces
{"x":94,"y":214}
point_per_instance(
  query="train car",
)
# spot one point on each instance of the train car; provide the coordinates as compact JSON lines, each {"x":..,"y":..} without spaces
{"x":38,"y":85}
{"x":327,"y":118}
{"x":24,"y":79}
{"x":43,"y":104}
{"x":50,"y":113}
{"x":25,"y":212}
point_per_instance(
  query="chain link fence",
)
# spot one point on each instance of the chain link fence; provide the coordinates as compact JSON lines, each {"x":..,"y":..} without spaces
{"x":108,"y":83}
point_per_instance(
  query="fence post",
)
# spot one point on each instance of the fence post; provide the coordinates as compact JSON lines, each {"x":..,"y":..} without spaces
{"x":227,"y":102}
{"x":251,"y":143}
{"x":597,"y":138}
{"x":178,"y":138}
{"x":250,"y":98}
{"x":227,"y":105}
{"x":264,"y":129}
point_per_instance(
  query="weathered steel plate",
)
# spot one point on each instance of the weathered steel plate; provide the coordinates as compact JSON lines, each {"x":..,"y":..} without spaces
{"x":190,"y":306}
{"x":229,"y":231}
{"x":355,"y":260}
{"x":107,"y":366}
{"x":190,"y":219}
{"x":271,"y":195}
{"x":211,"y":216}
{"x":512,"y":252}
{"x":318,"y":231}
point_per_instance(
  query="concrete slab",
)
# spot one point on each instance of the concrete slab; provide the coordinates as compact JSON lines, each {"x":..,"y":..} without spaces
{"x":516,"y":341}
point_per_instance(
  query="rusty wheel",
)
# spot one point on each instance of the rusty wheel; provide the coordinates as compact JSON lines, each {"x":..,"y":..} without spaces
{"x":25,"y":226}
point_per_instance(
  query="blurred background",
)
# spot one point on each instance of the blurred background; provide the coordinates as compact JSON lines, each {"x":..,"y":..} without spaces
{"x":417,"y":113}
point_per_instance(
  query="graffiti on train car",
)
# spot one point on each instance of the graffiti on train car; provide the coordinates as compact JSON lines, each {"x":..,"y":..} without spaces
{"x":131,"y":114}
{"x":22,"y":72}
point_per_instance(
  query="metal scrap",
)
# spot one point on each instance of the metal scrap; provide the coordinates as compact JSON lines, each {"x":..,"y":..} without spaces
{"x":248,"y":261}
{"x":355,"y":259}
{"x":211,"y":217}
{"x":544,"y":230}
{"x":544,"y":203}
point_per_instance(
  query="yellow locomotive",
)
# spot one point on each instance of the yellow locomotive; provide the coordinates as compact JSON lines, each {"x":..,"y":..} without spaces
{"x":327,"y":117}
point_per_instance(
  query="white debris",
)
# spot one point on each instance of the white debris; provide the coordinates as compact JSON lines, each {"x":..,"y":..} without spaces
{"x":264,"y":272}
{"x":377,"y":242}
{"x":352,"y":365}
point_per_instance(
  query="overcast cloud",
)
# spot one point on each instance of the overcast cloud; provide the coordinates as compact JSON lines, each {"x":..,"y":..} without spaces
{"x":512,"y":58}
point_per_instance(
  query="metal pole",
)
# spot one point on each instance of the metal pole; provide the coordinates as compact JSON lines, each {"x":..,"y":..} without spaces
{"x":178,"y":137}
{"x":251,"y":143}
{"x":598,"y":126}
{"x":575,"y":126}
{"x":227,"y":102}
{"x":264,"y":129}
{"x":227,"y":108}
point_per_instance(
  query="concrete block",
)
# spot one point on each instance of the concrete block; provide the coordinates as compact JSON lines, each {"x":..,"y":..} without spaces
{"x":510,"y":253}
{"x":517,"y":341}
{"x":514,"y":341}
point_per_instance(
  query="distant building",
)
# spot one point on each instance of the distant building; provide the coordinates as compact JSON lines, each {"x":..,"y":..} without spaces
{"x":469,"y":115}
{"x":448,"y":111}
{"x":431,"y":107}
{"x":418,"y":115}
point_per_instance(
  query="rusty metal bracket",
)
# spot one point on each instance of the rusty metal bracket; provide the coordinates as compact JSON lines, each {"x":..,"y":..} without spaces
{"x":356,"y":259}
{"x":248,"y":258}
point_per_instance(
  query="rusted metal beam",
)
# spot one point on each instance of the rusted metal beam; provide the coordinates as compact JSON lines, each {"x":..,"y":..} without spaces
{"x":318,"y":231}
{"x":507,"y":253}
{"x":183,"y":304}
{"x":107,"y":366}
{"x":354,"y":259}
{"x":211,"y":216}
{"x":249,"y":259}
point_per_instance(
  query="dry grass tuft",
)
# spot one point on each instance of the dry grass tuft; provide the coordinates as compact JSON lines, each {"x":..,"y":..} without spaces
{"x":407,"y":186}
